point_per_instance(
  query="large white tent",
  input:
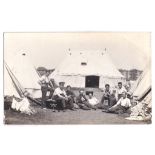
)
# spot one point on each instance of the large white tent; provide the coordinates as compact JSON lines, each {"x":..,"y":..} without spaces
{"x":87,"y":69}
{"x":24,"y":71}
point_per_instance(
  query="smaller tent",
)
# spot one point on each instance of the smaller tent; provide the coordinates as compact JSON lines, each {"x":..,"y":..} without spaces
{"x":22,"y":68}
{"x":10,"y":87}
{"x":13,"y":89}
{"x":143,"y":84}
{"x":142,"y":92}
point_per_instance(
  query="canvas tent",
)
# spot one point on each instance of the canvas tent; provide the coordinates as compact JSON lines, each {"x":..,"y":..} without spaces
{"x":142,"y":92}
{"x":143,"y":84}
{"x":10,"y":87}
{"x":13,"y":89}
{"x":24,"y":71}
{"x":87,"y":69}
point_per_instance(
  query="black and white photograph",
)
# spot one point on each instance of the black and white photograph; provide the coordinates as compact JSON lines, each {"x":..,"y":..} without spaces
{"x":77,"y":78}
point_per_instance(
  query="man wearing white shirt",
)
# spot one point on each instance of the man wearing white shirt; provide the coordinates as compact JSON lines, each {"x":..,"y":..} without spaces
{"x":60,"y":91}
{"x":122,"y":105}
{"x":61,"y":97}
{"x":120,"y":90}
{"x":93,"y":101}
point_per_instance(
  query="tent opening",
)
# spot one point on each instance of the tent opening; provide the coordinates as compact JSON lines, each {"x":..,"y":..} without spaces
{"x":92,"y":81}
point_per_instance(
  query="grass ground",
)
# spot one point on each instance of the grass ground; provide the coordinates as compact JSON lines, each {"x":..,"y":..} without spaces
{"x":68,"y":117}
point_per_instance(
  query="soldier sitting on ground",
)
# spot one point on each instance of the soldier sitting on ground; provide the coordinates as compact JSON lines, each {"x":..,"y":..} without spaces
{"x":93,"y":101}
{"x":71,"y":97}
{"x":61,"y":97}
{"x":113,"y":98}
{"x":82,"y":101}
{"x":122,"y":106}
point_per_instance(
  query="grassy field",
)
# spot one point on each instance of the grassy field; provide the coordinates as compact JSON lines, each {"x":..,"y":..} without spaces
{"x":69,"y":117}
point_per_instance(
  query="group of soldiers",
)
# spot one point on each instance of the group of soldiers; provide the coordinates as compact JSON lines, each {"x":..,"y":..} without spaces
{"x":112,"y":101}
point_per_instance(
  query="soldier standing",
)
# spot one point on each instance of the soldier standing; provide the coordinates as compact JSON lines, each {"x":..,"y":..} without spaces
{"x":46,"y":86}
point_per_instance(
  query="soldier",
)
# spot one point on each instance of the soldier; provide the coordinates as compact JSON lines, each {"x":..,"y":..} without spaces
{"x":113,"y":98}
{"x":120,"y":90}
{"x":106,"y":95}
{"x":61,"y":97}
{"x":93,"y":101}
{"x":123,"y":105}
{"x":71,"y":98}
{"x":45,"y":87}
{"x":82,"y":101}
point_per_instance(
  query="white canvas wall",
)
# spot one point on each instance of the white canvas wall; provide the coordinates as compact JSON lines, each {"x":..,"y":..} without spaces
{"x":113,"y":82}
{"x":73,"y":81}
{"x":26,"y":74}
{"x":79,"y":81}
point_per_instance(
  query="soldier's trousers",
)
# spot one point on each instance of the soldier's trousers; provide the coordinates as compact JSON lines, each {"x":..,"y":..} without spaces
{"x":44,"y":91}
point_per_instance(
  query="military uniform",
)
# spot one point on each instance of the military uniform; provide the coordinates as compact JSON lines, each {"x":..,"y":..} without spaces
{"x":45,"y":87}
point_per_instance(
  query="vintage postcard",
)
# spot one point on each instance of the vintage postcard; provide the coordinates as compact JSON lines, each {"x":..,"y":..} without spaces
{"x":77,"y":78}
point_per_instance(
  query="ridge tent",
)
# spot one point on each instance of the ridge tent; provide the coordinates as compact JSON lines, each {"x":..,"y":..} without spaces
{"x":26,"y":74}
{"x":87,"y":69}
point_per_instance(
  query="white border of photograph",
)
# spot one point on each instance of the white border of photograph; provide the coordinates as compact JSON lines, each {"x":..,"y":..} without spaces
{"x":62,"y":16}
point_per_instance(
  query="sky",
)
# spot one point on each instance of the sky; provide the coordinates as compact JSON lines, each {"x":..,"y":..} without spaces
{"x":127,"y":50}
